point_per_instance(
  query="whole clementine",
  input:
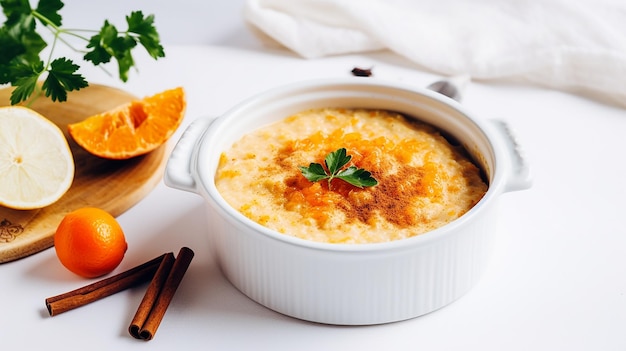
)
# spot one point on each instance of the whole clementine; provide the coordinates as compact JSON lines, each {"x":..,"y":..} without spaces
{"x":90,"y":242}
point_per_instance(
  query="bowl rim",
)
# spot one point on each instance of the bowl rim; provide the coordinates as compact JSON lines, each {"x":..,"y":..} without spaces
{"x":211,"y":193}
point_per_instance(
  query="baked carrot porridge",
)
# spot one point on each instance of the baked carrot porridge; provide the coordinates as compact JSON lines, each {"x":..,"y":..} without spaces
{"x":421,"y":181}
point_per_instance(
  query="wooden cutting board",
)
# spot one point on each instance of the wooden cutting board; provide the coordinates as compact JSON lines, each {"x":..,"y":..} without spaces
{"x":112,"y":185}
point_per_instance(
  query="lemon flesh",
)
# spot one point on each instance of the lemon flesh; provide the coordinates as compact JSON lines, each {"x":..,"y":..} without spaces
{"x":36,"y":163}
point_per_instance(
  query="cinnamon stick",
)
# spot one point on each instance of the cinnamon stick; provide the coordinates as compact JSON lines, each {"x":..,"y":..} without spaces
{"x":159,"y":295}
{"x":103,"y":288}
{"x":152,"y":293}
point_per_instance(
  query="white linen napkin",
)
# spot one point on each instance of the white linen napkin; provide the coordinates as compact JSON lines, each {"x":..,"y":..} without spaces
{"x":572,"y":45}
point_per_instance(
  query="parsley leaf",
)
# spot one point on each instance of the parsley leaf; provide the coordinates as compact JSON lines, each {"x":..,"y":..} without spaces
{"x":25,"y":87}
{"x":22,"y":45}
{"x":357,"y":177}
{"x":61,"y":79}
{"x":335,"y":162}
{"x":15,"y":8}
{"x":50,"y":10}
{"x":148,"y":36}
{"x":315,"y":172}
{"x":100,"y":44}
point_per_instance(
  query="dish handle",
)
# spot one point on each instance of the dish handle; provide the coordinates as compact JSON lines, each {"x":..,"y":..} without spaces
{"x":521,"y":177}
{"x":178,"y":171}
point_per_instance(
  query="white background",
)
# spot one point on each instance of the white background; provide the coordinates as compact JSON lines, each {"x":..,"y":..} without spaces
{"x":557,"y":280}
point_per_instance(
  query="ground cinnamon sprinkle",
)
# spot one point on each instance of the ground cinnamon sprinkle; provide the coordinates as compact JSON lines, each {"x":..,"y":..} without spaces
{"x":390,"y":200}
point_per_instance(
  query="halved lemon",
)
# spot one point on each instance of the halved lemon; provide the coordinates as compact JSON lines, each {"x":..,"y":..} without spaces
{"x":36,"y":163}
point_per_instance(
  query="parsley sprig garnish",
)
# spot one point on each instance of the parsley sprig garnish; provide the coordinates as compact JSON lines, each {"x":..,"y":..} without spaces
{"x":335,"y":163}
{"x":21,"y":45}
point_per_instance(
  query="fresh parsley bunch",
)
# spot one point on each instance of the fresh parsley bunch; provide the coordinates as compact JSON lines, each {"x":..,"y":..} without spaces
{"x":335,"y":163}
{"x":21,"y":45}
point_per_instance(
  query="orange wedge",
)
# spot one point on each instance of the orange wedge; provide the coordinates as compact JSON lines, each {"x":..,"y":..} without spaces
{"x":132,"y":129}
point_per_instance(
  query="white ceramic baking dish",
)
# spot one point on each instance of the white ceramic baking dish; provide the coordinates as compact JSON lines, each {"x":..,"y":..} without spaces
{"x":349,"y":284}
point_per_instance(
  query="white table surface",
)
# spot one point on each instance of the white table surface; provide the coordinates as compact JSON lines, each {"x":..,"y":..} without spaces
{"x":557,"y":279}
